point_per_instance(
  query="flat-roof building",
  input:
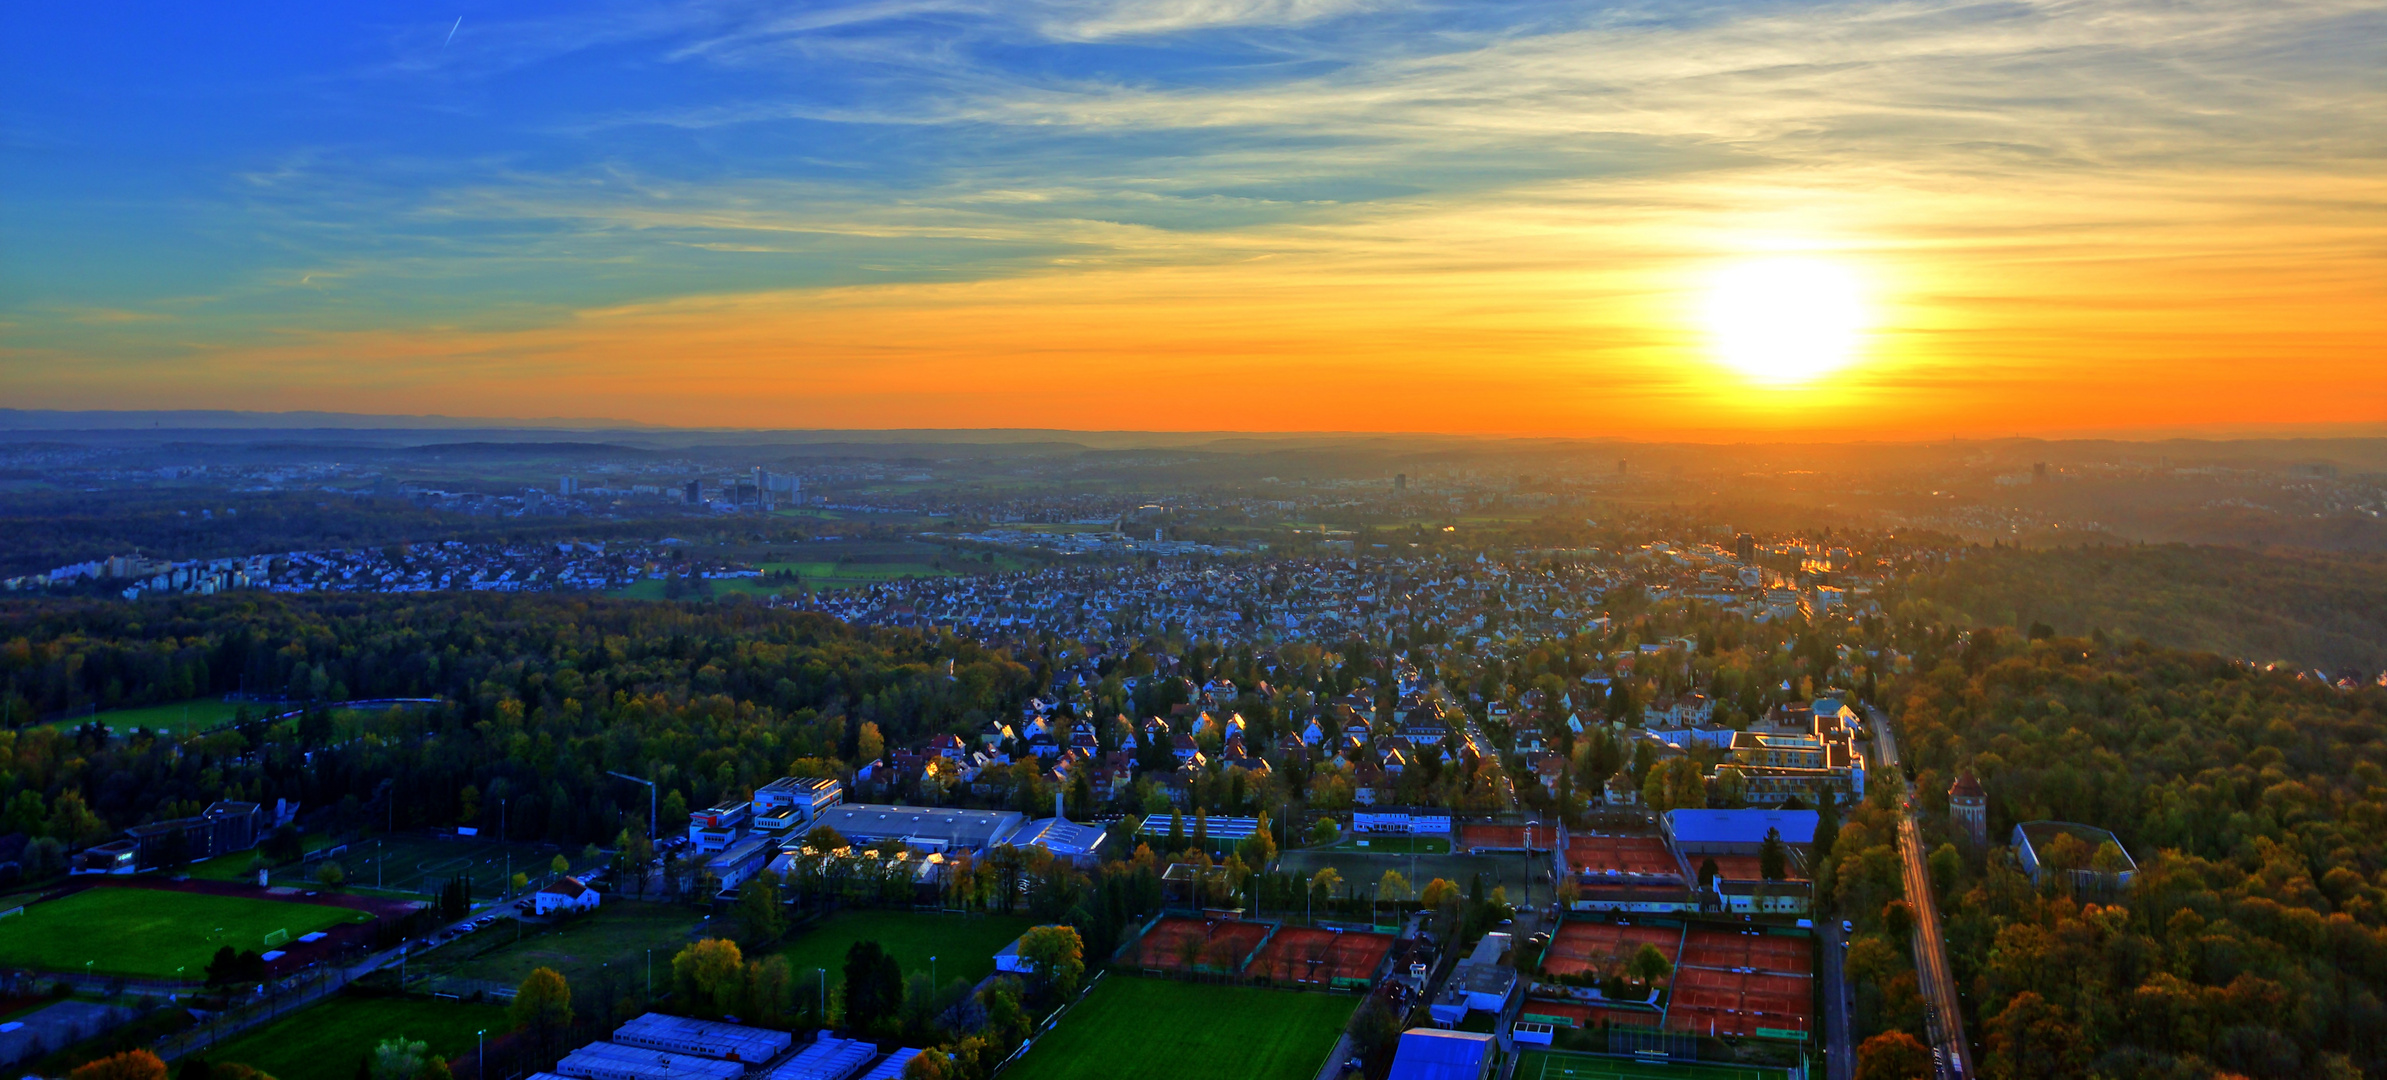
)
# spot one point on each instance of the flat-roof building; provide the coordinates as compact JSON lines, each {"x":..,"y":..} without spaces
{"x":610,"y":1061}
{"x":828,"y":1058}
{"x":1435,"y":1054}
{"x":892,"y":1068}
{"x":925,"y":828}
{"x":727,"y":1042}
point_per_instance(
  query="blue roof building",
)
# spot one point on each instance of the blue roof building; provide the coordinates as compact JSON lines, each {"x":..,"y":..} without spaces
{"x":1734,"y":832}
{"x":1435,"y":1054}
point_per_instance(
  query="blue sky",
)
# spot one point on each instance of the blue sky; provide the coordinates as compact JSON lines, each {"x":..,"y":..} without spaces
{"x":216,"y":185}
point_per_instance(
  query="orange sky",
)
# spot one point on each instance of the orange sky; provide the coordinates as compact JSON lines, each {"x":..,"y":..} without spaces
{"x":2081,"y":246}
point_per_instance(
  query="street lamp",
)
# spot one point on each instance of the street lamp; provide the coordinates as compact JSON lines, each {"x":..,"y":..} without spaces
{"x":480,"y":1055}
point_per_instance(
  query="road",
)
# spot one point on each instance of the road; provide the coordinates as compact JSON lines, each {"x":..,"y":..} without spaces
{"x":1943,"y":1016}
{"x":1839,"y":1007}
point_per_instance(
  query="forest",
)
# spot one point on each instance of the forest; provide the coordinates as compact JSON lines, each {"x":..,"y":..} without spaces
{"x":2254,"y":938}
{"x":2307,"y":609}
{"x":545,"y":695}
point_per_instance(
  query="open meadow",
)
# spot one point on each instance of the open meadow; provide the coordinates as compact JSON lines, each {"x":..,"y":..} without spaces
{"x":1159,"y":1029}
{"x":616,"y":940}
{"x":152,"y":932}
{"x":1560,"y":1065}
{"x":964,"y":945}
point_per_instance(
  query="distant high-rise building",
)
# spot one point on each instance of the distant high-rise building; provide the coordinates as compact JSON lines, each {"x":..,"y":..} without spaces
{"x":567,"y":486}
{"x":1400,"y":481}
{"x":694,"y":492}
{"x":2038,"y":472}
{"x":1620,"y":466}
{"x":1744,"y":547}
{"x":1968,"y":810}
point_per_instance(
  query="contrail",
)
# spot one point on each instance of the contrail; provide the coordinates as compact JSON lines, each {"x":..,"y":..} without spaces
{"x":452,"y":31}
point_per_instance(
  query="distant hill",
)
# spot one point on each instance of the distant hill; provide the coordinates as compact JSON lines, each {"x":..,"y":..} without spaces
{"x":2313,"y":610}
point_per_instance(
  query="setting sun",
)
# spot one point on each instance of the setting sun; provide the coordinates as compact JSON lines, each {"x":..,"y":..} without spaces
{"x":1786,"y":319}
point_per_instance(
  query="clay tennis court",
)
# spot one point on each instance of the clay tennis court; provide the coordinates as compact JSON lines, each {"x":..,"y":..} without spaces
{"x":1732,"y":949}
{"x":1734,"y":983}
{"x":1579,"y":947}
{"x":1505,"y":837}
{"x":1621,"y":854}
{"x":1306,"y":954}
{"x":1224,"y":943}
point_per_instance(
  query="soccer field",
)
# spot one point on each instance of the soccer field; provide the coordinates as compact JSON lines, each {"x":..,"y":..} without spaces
{"x":1548,"y":1065}
{"x":124,"y":931}
{"x":1158,"y":1029}
{"x":325,"y":1041}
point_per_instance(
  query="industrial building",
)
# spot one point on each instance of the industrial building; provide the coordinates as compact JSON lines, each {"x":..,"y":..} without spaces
{"x":1066,"y":839}
{"x":727,"y":1042}
{"x":789,"y":805}
{"x":923,"y":828}
{"x":717,"y":827}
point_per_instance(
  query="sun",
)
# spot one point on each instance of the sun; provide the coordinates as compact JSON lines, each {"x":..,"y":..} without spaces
{"x":1782,"y":320}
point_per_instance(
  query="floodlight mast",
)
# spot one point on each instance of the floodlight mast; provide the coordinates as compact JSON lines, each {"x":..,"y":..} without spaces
{"x":650,"y":800}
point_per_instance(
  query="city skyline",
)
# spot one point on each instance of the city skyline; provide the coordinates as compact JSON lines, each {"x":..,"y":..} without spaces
{"x":1222,"y":215}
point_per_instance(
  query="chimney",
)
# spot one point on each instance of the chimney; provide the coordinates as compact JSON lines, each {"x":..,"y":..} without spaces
{"x":1057,"y":805}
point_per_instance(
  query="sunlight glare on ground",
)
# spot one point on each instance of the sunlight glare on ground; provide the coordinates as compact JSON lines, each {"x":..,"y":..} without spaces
{"x":1783,"y":320}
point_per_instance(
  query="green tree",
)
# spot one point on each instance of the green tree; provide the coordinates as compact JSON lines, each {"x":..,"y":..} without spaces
{"x":761,"y":918}
{"x":1323,"y":831}
{"x":1649,"y":966}
{"x":823,"y":840}
{"x":873,"y":986}
{"x":1773,"y":860}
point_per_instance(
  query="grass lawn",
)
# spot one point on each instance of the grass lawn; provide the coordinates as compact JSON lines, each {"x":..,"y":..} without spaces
{"x":964,"y":945}
{"x":619,"y":934}
{"x":1395,"y":845}
{"x":1558,"y":1065}
{"x":1157,"y":1029}
{"x":324,"y":1042}
{"x":179,"y":717}
{"x":151,"y":931}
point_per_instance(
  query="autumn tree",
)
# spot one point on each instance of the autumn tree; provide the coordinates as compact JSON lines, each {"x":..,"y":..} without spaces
{"x":129,"y":1065}
{"x":1057,"y":955}
{"x":1893,"y":1055}
{"x":709,"y":974}
{"x":543,"y":1006}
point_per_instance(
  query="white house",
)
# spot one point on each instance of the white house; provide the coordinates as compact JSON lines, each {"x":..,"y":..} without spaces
{"x":564,"y":894}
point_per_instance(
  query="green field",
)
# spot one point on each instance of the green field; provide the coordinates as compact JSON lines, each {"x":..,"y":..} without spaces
{"x":154,"y":932}
{"x":618,"y":936}
{"x":1395,"y":845}
{"x":1559,"y":1065}
{"x":178,"y":717}
{"x":325,"y":1042}
{"x":964,"y":945}
{"x":1157,"y":1029}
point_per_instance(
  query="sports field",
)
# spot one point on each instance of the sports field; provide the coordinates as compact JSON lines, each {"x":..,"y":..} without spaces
{"x":619,"y":935}
{"x":1157,"y":1029}
{"x":417,"y":864}
{"x":964,"y":945}
{"x":1558,"y":1065}
{"x":121,"y":931}
{"x":325,"y":1041}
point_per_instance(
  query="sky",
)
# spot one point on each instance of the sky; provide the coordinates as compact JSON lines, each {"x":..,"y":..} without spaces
{"x":1271,"y":215}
